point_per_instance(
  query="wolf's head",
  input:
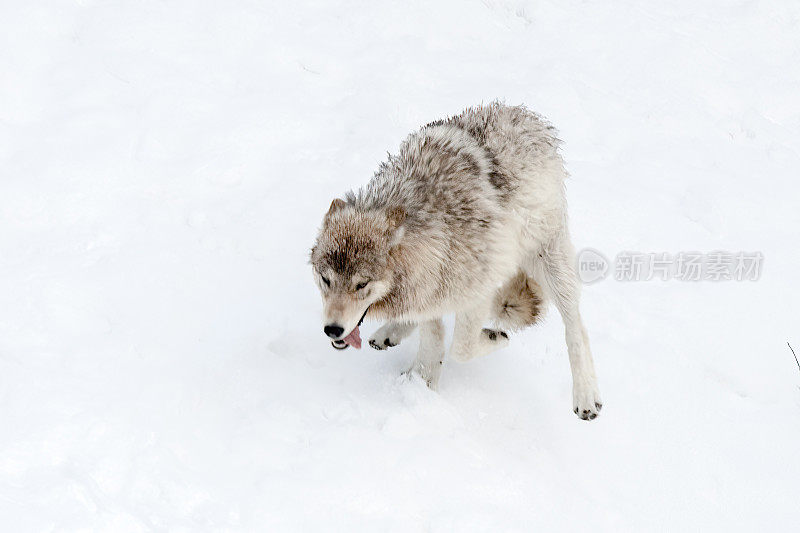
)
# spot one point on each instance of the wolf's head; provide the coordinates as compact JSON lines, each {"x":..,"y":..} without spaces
{"x":351,"y":265}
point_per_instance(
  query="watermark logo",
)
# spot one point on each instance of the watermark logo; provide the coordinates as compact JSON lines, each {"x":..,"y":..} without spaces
{"x":718,"y":265}
{"x":592,"y":265}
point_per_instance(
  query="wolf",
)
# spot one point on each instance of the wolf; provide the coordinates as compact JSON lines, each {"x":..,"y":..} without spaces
{"x":469,"y":217}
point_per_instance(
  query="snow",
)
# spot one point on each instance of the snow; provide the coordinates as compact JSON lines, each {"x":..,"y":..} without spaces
{"x":164,"y":167}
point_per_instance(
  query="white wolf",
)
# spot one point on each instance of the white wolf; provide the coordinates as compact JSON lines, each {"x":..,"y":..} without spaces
{"x":469,"y":217}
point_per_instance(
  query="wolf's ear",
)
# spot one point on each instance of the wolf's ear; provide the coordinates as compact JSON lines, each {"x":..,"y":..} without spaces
{"x":396,"y":216}
{"x":336,"y":205}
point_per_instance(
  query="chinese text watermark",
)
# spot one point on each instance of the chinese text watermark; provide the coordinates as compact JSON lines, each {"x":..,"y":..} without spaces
{"x":683,"y":266}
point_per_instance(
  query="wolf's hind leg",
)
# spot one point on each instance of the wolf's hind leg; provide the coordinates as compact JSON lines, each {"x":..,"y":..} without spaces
{"x":561,"y":282}
{"x":470,"y":339}
{"x":390,"y":334}
{"x":428,"y":364}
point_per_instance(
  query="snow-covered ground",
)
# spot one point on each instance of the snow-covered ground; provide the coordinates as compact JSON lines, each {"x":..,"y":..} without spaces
{"x":163,"y":170}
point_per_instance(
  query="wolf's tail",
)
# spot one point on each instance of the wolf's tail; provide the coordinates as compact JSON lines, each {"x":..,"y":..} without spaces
{"x":519,"y":303}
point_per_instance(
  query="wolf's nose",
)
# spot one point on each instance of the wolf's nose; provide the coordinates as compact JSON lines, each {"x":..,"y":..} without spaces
{"x":333,"y":331}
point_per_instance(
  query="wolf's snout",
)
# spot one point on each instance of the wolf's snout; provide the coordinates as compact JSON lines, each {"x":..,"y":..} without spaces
{"x":334,"y":331}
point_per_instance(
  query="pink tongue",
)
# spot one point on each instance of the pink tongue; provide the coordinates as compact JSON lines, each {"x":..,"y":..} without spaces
{"x":353,"y":339}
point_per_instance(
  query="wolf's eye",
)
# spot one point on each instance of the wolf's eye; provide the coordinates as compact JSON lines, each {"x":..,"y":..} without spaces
{"x":325,"y":280}
{"x":361,"y":285}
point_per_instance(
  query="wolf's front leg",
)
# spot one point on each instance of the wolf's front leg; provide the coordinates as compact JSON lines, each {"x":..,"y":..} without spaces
{"x":390,"y":334}
{"x":470,"y":339}
{"x":431,"y":352}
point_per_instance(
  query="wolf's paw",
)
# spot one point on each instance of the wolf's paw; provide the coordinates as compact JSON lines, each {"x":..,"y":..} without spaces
{"x":500,"y":338}
{"x":429,"y":375}
{"x":382,"y":344}
{"x":388,"y":335}
{"x":488,"y":341}
{"x":586,"y":402}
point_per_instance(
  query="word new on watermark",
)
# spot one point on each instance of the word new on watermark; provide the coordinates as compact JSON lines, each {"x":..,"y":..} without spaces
{"x":683,"y":266}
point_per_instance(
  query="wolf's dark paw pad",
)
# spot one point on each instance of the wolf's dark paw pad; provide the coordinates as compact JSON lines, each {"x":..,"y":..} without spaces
{"x":588,"y":410}
{"x":382,"y":345}
{"x":376,"y":345}
{"x":586,"y":414}
{"x":495,"y":335}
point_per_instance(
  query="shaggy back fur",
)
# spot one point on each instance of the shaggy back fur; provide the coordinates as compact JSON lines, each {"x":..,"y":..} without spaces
{"x":478,"y":192}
